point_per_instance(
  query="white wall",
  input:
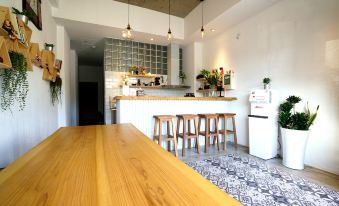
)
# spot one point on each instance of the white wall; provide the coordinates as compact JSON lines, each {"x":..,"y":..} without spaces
{"x":192,"y":64}
{"x":64,"y":53}
{"x":74,"y":89}
{"x":288,"y":42}
{"x":20,"y":131}
{"x":114,"y":14}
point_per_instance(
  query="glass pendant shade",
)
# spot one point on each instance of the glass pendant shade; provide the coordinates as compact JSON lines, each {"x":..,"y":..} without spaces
{"x":202,"y":32}
{"x":169,"y":35}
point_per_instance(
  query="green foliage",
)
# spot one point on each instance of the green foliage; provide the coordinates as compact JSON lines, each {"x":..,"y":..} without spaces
{"x":295,"y":120}
{"x":214,"y":78}
{"x":266,"y":80}
{"x":205,"y":73}
{"x":182,"y":75}
{"x":55,"y":90}
{"x":14,"y":83}
{"x":293,"y":99}
{"x":133,"y":69}
{"x":24,"y":12}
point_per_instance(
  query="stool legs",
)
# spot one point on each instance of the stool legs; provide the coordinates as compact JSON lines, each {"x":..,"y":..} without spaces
{"x":225,"y":133}
{"x":189,"y":133}
{"x":197,"y":133}
{"x":168,"y":136}
{"x":174,"y":139}
{"x":234,"y":132}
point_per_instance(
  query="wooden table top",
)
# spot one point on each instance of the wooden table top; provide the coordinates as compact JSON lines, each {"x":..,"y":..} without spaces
{"x":175,"y":98}
{"x":104,"y":165}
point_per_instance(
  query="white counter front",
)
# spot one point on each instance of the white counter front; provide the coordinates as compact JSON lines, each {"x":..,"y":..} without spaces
{"x":140,"y":110}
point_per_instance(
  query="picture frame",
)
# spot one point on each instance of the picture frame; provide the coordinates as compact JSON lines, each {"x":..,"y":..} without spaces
{"x":34,"y":6}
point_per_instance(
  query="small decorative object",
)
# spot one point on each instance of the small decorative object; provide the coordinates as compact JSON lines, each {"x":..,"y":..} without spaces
{"x":295,"y":129}
{"x":49,"y":47}
{"x":228,"y":80}
{"x":7,"y":26}
{"x":143,"y":71}
{"x":14,"y":83}
{"x":55,"y":90}
{"x":182,"y":76}
{"x":220,"y":89}
{"x":133,"y":69}
{"x":267,"y":83}
{"x":33,"y":6}
{"x":23,"y":15}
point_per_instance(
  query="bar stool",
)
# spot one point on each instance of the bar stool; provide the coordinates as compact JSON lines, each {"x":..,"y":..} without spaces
{"x":186,"y":134}
{"x":224,"y":132}
{"x":159,"y":120}
{"x":207,"y":133}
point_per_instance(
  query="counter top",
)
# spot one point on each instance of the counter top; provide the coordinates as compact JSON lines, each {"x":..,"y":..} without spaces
{"x":104,"y":165}
{"x":175,"y":98}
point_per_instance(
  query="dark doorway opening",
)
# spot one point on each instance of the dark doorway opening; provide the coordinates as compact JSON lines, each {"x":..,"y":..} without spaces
{"x":89,"y":113}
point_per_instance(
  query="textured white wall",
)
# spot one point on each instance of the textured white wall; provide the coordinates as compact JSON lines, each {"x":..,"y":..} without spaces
{"x":291,"y":42}
{"x":64,"y":53}
{"x":20,"y":131}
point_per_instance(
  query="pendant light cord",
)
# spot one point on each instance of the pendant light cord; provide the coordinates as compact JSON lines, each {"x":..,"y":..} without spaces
{"x":169,"y":13}
{"x":202,"y":13}
{"x":128,"y":11}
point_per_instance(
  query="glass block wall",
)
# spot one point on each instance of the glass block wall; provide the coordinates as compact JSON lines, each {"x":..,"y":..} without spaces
{"x":121,"y":54}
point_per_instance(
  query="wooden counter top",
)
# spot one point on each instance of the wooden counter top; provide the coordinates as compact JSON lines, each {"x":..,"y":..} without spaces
{"x":104,"y":165}
{"x":174,"y":98}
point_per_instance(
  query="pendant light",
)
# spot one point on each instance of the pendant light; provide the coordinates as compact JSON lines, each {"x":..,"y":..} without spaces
{"x":127,"y":33}
{"x":202,"y":31}
{"x":169,"y":33}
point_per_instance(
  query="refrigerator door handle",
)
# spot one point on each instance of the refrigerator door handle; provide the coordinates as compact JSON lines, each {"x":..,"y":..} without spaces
{"x":258,"y":116}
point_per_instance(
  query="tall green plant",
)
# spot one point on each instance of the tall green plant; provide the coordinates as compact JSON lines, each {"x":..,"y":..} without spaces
{"x":14,"y":83}
{"x":55,"y":90}
{"x":290,"y":119}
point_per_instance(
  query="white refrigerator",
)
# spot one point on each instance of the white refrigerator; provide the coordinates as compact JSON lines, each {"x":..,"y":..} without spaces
{"x":263,"y":124}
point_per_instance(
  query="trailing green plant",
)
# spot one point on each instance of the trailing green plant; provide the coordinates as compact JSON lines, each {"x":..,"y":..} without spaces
{"x":14,"y":83}
{"x":266,"y":80}
{"x":290,"y":119}
{"x":27,"y":13}
{"x":55,"y":90}
{"x":182,"y":75}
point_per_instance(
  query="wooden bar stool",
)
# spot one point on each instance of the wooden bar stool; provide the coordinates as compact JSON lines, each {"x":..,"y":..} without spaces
{"x":224,"y":132}
{"x":207,"y":133}
{"x":186,"y":132}
{"x":159,"y":120}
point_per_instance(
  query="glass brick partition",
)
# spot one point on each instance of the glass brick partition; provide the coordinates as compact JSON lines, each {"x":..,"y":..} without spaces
{"x":121,"y":54}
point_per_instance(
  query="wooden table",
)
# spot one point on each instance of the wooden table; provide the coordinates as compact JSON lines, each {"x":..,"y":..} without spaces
{"x":104,"y":165}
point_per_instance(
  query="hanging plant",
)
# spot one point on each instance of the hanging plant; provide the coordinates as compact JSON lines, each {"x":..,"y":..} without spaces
{"x":14,"y":83}
{"x":55,"y":90}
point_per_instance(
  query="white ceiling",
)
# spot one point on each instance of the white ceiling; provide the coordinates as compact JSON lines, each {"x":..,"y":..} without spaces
{"x":85,"y":35}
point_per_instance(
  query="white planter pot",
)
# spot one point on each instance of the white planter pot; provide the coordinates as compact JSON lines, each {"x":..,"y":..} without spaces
{"x":294,"y":146}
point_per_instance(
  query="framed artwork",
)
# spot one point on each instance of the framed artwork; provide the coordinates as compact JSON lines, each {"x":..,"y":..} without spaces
{"x":34,"y":6}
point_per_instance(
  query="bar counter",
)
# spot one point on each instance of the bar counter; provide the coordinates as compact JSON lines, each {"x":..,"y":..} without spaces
{"x":104,"y":165}
{"x":139,"y":110}
{"x":174,"y":98}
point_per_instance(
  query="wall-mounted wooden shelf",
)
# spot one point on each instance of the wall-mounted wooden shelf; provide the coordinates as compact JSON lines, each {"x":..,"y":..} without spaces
{"x":145,"y":87}
{"x":210,"y":90}
{"x":143,"y":76}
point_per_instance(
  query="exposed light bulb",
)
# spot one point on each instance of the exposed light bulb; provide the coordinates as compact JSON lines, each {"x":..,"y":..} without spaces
{"x":124,"y":35}
{"x":127,"y":33}
{"x":169,"y":35}
{"x":202,"y":32}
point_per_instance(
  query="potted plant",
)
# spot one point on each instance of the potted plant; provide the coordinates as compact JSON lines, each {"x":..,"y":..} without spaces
{"x":267,"y":83}
{"x":55,"y":90}
{"x":204,"y":74}
{"x":49,"y":47}
{"x":133,"y":69}
{"x":295,"y":129}
{"x":24,"y":15}
{"x":213,"y":79}
{"x":182,"y":76}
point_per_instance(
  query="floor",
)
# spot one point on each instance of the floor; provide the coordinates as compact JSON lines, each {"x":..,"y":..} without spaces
{"x":317,"y":176}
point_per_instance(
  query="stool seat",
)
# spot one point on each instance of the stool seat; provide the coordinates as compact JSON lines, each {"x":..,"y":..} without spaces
{"x":164,"y":116}
{"x":208,"y":115}
{"x":228,"y":115}
{"x":187,"y":116}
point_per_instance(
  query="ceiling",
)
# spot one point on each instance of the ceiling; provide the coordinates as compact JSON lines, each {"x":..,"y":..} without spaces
{"x":180,"y":8}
